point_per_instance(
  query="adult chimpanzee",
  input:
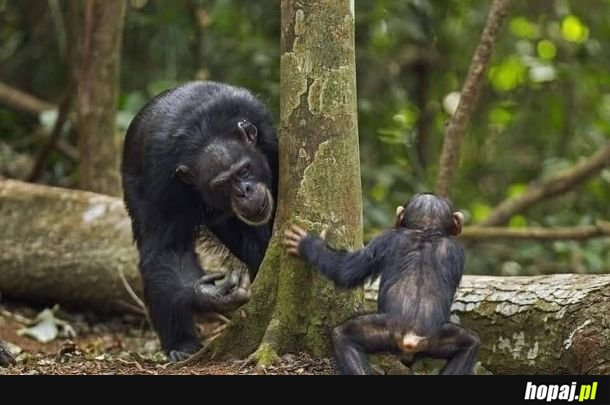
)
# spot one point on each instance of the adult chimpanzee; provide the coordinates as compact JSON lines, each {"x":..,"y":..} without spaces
{"x":201,"y":155}
{"x":420,"y":265}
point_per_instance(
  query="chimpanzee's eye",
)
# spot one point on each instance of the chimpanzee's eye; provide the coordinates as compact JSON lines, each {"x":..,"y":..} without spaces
{"x":244,"y":171}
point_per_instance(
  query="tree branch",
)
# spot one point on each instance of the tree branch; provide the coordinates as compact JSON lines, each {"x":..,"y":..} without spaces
{"x":562,"y":183}
{"x":51,"y":142}
{"x":470,"y":94}
{"x":601,"y":228}
{"x":19,"y":100}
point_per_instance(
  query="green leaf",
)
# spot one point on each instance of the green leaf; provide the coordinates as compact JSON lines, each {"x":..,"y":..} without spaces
{"x":522,"y":28}
{"x":480,"y":211}
{"x":500,"y":116}
{"x":508,"y":75}
{"x":573,"y":30}
{"x":517,"y":221}
{"x":379,"y":192}
{"x":546,"y":49}
{"x":516,"y":189}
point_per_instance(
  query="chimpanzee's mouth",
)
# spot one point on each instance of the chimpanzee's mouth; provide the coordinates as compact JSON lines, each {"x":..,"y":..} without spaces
{"x":262,"y":208}
{"x":262,"y":215}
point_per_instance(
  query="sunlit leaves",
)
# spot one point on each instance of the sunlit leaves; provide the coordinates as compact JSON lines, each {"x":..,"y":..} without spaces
{"x":380,"y":38}
{"x":515,"y":189}
{"x":517,"y":221}
{"x":406,"y":117}
{"x":508,"y":75}
{"x":500,"y":116}
{"x":480,"y":211}
{"x":521,"y":27}
{"x":546,"y":49}
{"x":573,"y":30}
{"x":403,"y":122}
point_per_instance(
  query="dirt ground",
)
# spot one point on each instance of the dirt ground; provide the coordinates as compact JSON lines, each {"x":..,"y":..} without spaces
{"x":117,"y":345}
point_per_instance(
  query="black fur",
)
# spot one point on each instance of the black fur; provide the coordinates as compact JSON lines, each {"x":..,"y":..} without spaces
{"x":420,"y":264}
{"x":168,"y":213}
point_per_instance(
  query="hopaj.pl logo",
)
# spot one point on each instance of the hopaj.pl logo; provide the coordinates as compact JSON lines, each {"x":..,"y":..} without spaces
{"x":565,"y":392}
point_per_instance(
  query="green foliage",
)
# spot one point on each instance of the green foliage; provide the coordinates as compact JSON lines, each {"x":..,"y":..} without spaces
{"x":507,"y":75}
{"x":546,"y":49}
{"x":545,"y":105}
{"x":573,"y":30}
{"x":521,"y":27}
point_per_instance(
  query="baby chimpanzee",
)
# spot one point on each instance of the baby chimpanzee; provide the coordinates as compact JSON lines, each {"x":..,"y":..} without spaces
{"x":420,"y":264}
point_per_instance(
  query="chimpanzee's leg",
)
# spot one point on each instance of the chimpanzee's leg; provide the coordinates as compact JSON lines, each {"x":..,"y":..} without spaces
{"x":170,"y":298}
{"x":458,"y":345}
{"x":358,"y":336}
{"x":175,"y":286}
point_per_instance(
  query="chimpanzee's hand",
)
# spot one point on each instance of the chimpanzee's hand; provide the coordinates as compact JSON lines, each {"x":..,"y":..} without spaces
{"x":226,"y":297}
{"x":6,"y":358}
{"x":293,"y":237}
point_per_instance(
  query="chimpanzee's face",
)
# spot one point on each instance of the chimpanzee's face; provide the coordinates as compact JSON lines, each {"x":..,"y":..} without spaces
{"x":232,"y":175}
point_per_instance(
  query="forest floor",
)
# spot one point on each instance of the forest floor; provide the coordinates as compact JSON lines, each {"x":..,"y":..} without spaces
{"x":117,"y":345}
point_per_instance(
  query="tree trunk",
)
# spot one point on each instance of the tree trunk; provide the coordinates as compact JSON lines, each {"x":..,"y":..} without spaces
{"x":98,"y":88}
{"x":293,"y":308}
{"x":558,"y":324}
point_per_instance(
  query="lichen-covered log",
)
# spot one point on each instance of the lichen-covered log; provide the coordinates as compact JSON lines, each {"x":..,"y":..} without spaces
{"x":558,"y":324}
{"x":66,"y":246}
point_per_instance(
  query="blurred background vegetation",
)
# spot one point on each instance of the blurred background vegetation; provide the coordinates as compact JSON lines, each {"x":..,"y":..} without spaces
{"x":545,"y":105}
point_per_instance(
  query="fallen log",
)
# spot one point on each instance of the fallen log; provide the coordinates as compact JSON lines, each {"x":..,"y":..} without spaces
{"x":67,"y":246}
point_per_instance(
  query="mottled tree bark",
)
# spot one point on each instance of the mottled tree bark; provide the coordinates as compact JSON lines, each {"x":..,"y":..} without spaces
{"x":292,"y":307}
{"x":98,"y":89}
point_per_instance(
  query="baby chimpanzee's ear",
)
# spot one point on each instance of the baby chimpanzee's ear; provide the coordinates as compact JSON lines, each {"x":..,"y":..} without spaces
{"x":185,"y":174}
{"x":458,"y":222}
{"x":400,"y":216}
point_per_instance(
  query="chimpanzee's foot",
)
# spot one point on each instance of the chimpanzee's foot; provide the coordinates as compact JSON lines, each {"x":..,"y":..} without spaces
{"x":6,"y":358}
{"x":183,"y":351}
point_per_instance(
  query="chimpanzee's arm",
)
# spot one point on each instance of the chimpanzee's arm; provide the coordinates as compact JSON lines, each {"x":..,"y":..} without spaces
{"x":346,"y":269}
{"x":452,"y":260}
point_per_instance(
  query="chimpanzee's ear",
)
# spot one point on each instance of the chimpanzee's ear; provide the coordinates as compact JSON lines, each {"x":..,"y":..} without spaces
{"x":458,"y":222}
{"x":248,"y":130}
{"x":400,"y":216}
{"x":185,"y":174}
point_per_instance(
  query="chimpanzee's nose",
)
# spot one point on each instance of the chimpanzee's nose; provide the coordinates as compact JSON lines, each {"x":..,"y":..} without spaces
{"x":243,"y":190}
